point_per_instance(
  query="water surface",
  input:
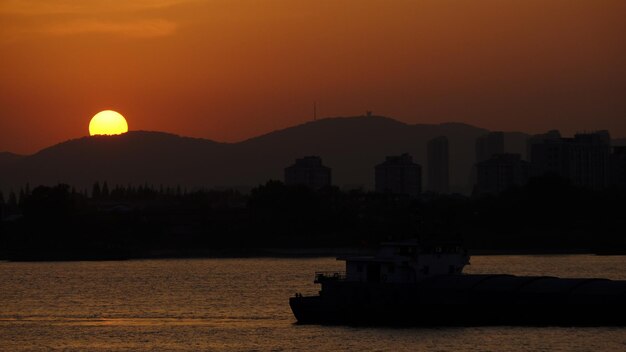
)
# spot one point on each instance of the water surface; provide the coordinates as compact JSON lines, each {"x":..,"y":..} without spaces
{"x":242,"y":305}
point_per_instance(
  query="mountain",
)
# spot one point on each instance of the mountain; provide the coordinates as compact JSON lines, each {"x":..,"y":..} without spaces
{"x":135,"y":157}
{"x":353,"y":146}
{"x":6,"y":157}
{"x":350,"y":146}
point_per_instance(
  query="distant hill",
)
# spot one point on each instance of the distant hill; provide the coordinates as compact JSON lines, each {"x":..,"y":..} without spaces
{"x":6,"y":157}
{"x":350,"y":146}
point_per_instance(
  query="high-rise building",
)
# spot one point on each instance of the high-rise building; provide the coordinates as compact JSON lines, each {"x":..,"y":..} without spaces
{"x":501,"y":172}
{"x":488,"y":145}
{"x":585,"y":160}
{"x":399,"y":175}
{"x":552,"y":135}
{"x":618,"y":167}
{"x":438,"y":165}
{"x":308,"y":171}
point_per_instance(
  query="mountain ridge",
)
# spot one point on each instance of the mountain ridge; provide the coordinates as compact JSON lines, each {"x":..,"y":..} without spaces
{"x":351,"y":146}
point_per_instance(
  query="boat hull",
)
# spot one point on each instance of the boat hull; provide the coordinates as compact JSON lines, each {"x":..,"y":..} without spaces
{"x":466,"y":300}
{"x":315,"y":310}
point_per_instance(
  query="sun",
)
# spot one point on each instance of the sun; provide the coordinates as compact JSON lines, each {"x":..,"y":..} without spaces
{"x":107,"y":122}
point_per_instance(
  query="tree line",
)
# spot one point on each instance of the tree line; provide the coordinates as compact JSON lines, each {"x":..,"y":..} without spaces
{"x":150,"y":221}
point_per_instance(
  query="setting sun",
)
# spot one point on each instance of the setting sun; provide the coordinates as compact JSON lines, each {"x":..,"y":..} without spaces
{"x":108,"y":122}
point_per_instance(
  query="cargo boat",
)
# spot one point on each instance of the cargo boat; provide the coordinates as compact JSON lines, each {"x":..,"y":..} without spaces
{"x":418,"y":284}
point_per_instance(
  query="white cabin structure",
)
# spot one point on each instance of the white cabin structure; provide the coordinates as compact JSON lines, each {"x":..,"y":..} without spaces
{"x":402,"y":262}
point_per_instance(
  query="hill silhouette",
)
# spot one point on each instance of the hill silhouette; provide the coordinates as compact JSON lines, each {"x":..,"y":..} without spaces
{"x":7,"y":157}
{"x":350,"y":146}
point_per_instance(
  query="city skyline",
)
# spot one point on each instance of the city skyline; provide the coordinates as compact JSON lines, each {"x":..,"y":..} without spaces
{"x":140,"y":157}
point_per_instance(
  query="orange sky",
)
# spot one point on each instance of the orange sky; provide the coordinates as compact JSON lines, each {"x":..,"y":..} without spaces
{"x":232,"y":69}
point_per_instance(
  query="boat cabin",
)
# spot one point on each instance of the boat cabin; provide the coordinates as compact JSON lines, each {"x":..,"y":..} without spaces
{"x":403,"y":262}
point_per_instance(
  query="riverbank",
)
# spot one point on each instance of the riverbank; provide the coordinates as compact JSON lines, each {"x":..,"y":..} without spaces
{"x":273,"y":253}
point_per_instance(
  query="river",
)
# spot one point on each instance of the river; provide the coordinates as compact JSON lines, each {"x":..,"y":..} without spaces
{"x":242,"y":305}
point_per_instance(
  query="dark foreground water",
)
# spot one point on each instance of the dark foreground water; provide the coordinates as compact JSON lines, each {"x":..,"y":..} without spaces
{"x":242,"y":305}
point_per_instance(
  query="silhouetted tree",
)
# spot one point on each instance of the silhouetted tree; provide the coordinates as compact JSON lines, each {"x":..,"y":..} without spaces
{"x":105,"y":190}
{"x":130,"y":191}
{"x":117,"y":193}
{"x":21,"y":197}
{"x":96,"y":193}
{"x":51,"y":204}
{"x":12,"y":200}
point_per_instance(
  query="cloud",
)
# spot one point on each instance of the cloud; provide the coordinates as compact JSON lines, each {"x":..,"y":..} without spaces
{"x":146,"y":28}
{"x":62,"y":7}
{"x":134,"y":19}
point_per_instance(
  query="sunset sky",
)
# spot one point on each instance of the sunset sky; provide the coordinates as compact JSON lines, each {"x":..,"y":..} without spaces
{"x":229,"y":70}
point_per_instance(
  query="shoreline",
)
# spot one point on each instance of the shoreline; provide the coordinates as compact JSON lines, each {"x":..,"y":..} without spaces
{"x":278,"y":253}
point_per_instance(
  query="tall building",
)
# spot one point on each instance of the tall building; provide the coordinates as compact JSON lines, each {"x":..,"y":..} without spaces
{"x":618,"y":167}
{"x":552,"y":135}
{"x":438,"y":165}
{"x":399,"y":175}
{"x":308,"y":171}
{"x":488,"y":145}
{"x":501,"y":172}
{"x":585,"y":160}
